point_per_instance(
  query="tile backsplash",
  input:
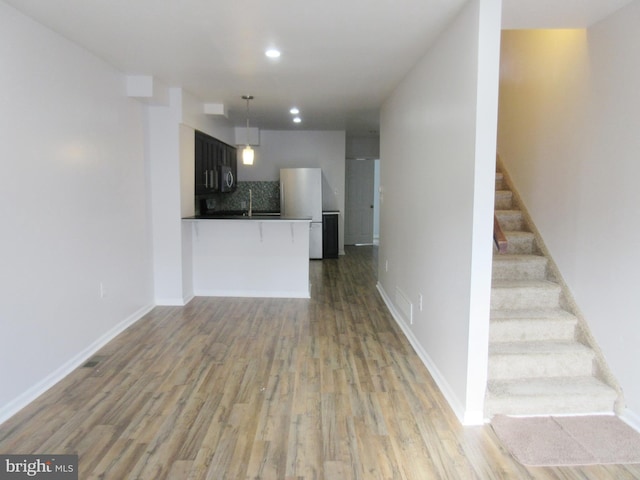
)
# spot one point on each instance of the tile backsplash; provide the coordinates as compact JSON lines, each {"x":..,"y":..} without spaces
{"x":265,"y":197}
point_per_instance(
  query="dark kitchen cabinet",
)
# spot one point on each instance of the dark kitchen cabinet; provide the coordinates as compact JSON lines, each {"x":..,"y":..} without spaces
{"x":210,"y":155}
{"x":232,"y":159}
{"x":228,"y":176}
{"x":206,"y":164}
{"x":330,"y":248}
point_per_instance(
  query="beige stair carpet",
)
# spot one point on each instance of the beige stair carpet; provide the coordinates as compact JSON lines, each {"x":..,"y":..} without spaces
{"x":537,"y":363}
{"x":565,"y":441}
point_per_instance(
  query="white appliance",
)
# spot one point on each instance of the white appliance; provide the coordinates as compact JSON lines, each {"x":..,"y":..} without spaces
{"x":301,"y":197}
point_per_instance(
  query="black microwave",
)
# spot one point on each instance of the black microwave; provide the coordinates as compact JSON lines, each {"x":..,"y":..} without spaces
{"x":227,"y":180}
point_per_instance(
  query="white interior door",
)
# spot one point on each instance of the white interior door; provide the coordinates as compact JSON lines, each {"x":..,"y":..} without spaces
{"x":359,"y":202}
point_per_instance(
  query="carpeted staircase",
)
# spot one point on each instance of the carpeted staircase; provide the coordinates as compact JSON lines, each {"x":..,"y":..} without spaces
{"x":537,"y":365}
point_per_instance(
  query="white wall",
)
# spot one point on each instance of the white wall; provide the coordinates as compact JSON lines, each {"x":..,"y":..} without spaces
{"x":363,"y":147}
{"x":170,"y":139}
{"x":73,"y":204}
{"x":163,"y":150}
{"x":437,"y":162}
{"x":217,"y":126}
{"x":287,"y":148}
{"x":568,"y":134}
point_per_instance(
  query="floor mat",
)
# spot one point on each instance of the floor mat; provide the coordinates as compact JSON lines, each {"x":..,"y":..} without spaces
{"x":575,"y":440}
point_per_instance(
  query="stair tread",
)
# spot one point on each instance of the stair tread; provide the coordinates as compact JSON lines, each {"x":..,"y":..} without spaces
{"x":518,"y":234}
{"x":524,"y":284}
{"x":532,"y":314}
{"x":508,"y":211}
{"x":504,"y":194}
{"x":519,"y":257}
{"x":538,"y":347}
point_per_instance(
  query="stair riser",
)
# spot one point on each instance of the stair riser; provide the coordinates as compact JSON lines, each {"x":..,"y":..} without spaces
{"x":510,"y":220}
{"x":503,"y":200}
{"x":499,"y":182}
{"x":540,"y":365}
{"x":532,"y":330}
{"x":525,"y":298}
{"x":519,"y":245}
{"x":535,"y":269}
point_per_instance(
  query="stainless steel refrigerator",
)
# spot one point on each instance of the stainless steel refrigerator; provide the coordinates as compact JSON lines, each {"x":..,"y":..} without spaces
{"x":301,"y":197}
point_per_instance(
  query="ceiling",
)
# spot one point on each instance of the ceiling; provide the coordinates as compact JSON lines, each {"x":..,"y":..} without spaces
{"x":340,"y":58}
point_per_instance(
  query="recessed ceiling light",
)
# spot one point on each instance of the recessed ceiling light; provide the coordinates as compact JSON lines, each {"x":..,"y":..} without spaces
{"x":294,"y":111}
{"x":297,"y":120}
{"x":272,"y":53}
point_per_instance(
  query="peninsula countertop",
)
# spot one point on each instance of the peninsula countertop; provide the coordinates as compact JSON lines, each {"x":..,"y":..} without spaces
{"x":269,"y":217}
{"x":253,"y":218}
{"x":242,"y":256}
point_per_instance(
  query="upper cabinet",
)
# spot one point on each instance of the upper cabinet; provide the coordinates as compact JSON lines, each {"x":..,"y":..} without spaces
{"x":215,"y":163}
{"x":205,"y":165}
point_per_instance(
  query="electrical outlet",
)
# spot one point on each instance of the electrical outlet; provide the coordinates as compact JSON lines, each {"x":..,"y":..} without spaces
{"x":420,"y":301}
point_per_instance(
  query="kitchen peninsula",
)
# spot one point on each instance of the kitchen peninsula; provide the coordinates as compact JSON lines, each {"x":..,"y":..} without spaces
{"x":257,"y":256}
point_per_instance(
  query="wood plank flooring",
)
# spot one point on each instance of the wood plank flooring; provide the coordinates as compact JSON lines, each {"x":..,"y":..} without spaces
{"x":230,"y":388}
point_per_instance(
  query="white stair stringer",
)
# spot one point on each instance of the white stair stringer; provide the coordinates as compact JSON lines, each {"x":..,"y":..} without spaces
{"x":537,"y":366}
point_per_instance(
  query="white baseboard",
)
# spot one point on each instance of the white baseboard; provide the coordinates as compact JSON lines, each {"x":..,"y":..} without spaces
{"x":465,"y":418}
{"x":186,"y":300}
{"x":172,"y":302}
{"x":65,"y":369}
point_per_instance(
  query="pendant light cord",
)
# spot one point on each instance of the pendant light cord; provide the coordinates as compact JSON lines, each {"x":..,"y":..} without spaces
{"x":247,"y":98}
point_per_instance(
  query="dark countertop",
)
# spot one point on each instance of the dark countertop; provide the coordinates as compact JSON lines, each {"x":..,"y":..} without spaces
{"x":253,"y":217}
{"x":233,"y":215}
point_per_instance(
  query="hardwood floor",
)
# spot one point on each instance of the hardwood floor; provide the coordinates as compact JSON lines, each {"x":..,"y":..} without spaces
{"x":230,"y":388}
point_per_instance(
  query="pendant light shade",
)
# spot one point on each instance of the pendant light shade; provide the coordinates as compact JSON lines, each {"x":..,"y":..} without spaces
{"x":247,"y":153}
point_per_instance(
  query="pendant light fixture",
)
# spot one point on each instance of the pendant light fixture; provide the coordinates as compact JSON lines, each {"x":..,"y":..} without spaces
{"x":247,"y":152}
